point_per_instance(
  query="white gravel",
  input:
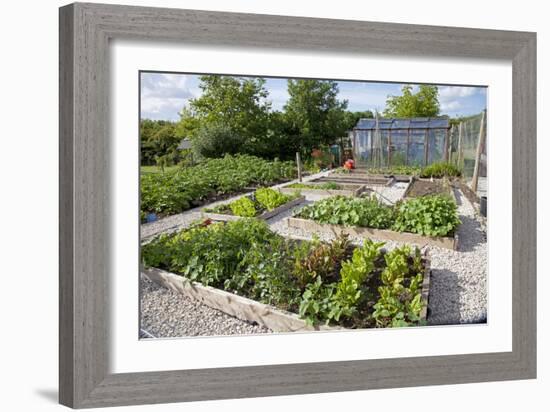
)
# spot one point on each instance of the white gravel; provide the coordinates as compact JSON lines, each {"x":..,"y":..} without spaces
{"x":458,"y":287}
{"x":166,"y":313}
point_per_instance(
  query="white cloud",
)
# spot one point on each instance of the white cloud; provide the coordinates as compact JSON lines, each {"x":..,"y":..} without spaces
{"x":452,"y":92}
{"x":450,"y":106}
{"x":164,"y":95}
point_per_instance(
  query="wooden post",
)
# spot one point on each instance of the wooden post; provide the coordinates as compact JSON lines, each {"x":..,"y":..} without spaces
{"x":459,"y":156}
{"x":426,"y":148}
{"x":299,"y":166}
{"x":480,"y":143}
{"x":389,"y":147}
{"x":408,"y":144}
{"x":446,"y":146}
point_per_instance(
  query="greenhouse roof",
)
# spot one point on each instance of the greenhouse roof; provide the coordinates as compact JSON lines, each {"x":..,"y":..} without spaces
{"x":405,"y":123}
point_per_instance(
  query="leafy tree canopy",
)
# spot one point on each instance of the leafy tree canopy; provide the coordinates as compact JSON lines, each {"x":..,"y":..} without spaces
{"x":424,"y":103}
{"x":237,"y":102}
{"x":315,"y":112}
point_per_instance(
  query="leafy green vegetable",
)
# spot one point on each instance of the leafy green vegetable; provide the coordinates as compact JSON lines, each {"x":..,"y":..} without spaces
{"x":434,"y":215}
{"x":324,"y":282}
{"x":398,"y":304}
{"x":340,"y":210}
{"x":353,"y":275}
{"x":319,"y":259}
{"x":270,"y":198}
{"x":250,"y":206}
{"x":244,"y":207}
{"x":440,"y":169}
{"x":176,"y":191}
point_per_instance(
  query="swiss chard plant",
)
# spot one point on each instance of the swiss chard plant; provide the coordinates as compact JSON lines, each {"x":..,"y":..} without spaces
{"x":400,"y":301}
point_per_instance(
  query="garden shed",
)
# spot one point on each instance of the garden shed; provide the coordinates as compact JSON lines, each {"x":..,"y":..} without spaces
{"x":416,"y":141}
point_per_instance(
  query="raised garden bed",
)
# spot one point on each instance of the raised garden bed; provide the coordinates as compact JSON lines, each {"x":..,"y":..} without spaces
{"x":446,"y":242}
{"x":368,"y":180}
{"x":288,"y":284}
{"x":426,"y":187}
{"x":238,"y":306}
{"x":257,"y":205}
{"x":428,"y":220}
{"x":250,"y":310}
{"x":181,"y":189}
{"x":327,"y":188}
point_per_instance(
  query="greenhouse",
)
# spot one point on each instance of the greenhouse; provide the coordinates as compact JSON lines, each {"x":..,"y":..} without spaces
{"x":415,"y":141}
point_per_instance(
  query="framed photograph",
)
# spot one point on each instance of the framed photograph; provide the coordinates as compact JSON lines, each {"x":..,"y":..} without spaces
{"x":256,"y":205}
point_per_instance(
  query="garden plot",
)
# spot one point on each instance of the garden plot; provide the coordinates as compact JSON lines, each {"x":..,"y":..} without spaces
{"x":288,"y":285}
{"x":458,"y":282}
{"x":391,"y":194}
{"x":181,"y":220}
{"x":426,"y":187}
{"x":317,"y":189}
{"x":263,"y":204}
{"x":368,"y":180}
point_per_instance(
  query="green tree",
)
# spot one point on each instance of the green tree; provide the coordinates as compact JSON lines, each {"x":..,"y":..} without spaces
{"x":236,"y":102}
{"x":351,"y":118}
{"x":156,"y":139}
{"x":165,"y":145}
{"x":314,"y":111}
{"x":424,"y":103}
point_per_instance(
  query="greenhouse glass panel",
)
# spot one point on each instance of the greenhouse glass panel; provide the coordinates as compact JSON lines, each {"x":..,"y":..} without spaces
{"x":398,"y":147}
{"x":416,"y":147}
{"x":362,"y":146}
{"x":436,"y":145}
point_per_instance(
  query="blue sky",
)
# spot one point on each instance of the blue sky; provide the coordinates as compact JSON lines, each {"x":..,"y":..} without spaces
{"x":164,"y":95}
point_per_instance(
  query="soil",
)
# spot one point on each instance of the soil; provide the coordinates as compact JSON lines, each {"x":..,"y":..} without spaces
{"x":425,"y":187}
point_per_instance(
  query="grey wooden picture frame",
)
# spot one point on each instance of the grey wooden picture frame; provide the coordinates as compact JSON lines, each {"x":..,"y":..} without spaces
{"x":85,"y":32}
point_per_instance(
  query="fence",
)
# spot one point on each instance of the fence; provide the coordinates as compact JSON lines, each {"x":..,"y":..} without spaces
{"x":469,"y":150}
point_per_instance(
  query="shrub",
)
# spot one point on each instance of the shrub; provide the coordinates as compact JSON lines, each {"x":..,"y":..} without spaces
{"x":216,"y":140}
{"x":440,"y":169}
{"x":434,"y":215}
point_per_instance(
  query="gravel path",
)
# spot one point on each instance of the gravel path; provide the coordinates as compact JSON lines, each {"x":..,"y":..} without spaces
{"x":458,"y":287}
{"x":166,"y":313}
